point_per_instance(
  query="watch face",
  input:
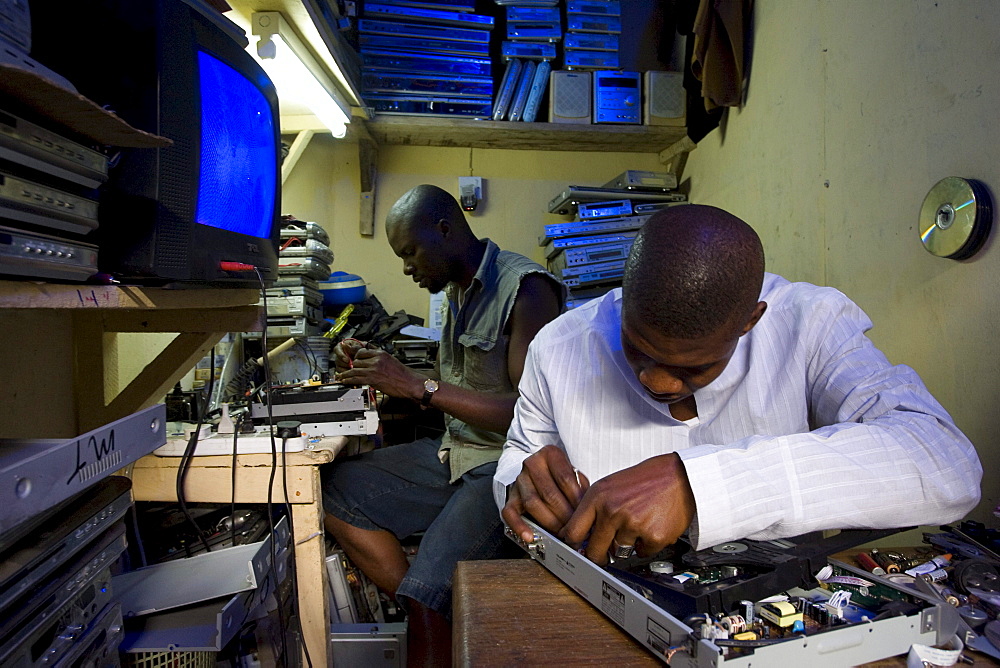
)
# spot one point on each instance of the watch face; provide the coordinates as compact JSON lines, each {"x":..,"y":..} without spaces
{"x":430,"y":385}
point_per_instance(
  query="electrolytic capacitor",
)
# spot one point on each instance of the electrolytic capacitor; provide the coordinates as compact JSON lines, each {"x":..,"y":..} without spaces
{"x":748,"y":611}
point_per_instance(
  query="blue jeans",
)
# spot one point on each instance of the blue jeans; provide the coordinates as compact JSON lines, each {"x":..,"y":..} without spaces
{"x":404,"y":489}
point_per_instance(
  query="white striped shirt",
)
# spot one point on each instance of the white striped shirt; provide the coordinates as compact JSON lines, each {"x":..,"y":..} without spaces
{"x":809,"y":427}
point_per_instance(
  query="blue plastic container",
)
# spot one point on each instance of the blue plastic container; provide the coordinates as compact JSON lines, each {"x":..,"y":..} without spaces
{"x":341,"y":289}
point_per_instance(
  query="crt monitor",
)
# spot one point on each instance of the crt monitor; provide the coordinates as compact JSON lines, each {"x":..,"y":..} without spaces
{"x":205,"y":209}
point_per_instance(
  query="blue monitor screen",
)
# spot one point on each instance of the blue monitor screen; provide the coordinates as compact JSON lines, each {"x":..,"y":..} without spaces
{"x":238,"y":171}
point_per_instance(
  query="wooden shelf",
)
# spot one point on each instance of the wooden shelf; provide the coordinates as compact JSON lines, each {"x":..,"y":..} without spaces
{"x":461,"y":132}
{"x":74,"y":319}
{"x":31,"y":295}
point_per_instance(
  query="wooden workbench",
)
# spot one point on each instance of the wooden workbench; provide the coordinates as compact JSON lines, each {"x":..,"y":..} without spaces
{"x":209,"y":480}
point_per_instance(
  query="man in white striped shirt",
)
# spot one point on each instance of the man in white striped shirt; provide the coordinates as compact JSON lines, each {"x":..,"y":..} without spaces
{"x":710,"y":398}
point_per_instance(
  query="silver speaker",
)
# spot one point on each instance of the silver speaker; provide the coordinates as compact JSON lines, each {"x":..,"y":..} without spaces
{"x":569,"y":97}
{"x":666,"y":101}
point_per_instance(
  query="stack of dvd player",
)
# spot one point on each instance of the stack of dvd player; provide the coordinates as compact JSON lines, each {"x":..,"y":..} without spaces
{"x":48,"y":201}
{"x":426,"y":57}
{"x":592,"y":30}
{"x":294,"y":302}
{"x":57,"y":607}
{"x":588,"y":253}
{"x":48,"y":180}
{"x":534,"y":30}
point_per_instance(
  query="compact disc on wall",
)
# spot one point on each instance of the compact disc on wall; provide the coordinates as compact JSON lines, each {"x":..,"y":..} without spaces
{"x":956,"y":218}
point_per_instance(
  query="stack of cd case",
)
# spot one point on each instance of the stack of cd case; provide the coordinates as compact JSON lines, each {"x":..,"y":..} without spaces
{"x":534,"y":30}
{"x":429,"y":58}
{"x":592,"y":31}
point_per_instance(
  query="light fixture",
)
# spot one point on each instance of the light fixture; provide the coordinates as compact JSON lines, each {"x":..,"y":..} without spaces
{"x":296,"y":74}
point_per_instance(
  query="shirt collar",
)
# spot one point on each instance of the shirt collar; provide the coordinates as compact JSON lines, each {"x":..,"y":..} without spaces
{"x":487,"y":267}
{"x":705,"y":396}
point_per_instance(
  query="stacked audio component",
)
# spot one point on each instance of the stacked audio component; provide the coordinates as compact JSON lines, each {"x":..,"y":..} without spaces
{"x":534,"y":30}
{"x":48,"y":201}
{"x":588,"y":253}
{"x":294,"y":302}
{"x":593,"y":28}
{"x":48,"y":181}
{"x":61,"y":534}
{"x":426,"y":58}
{"x":57,"y":602}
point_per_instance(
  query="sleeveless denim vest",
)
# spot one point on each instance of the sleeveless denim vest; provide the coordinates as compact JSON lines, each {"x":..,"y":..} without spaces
{"x":473,"y":351}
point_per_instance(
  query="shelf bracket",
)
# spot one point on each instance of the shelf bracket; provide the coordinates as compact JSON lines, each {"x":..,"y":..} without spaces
{"x":295,"y":152}
{"x":96,"y":378}
{"x":674,"y":157}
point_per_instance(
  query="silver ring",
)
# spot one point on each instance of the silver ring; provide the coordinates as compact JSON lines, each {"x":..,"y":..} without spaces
{"x":622,"y":551}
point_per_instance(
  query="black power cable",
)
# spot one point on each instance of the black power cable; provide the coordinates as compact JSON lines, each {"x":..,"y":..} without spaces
{"x":270,"y":488}
{"x":185,"y":463}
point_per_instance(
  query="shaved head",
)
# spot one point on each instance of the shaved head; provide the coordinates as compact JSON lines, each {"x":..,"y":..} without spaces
{"x":428,"y":231}
{"x":426,"y":205}
{"x":693,"y":271}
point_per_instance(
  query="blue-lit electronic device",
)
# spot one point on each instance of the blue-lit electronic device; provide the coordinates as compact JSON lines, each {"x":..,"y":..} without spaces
{"x":617,"y":97}
{"x":206,"y":208}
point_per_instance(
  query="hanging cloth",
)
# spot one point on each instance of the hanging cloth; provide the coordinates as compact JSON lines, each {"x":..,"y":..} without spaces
{"x":717,"y":58}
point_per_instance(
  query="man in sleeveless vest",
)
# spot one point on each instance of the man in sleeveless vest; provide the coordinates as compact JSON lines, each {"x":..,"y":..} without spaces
{"x":495,"y":302}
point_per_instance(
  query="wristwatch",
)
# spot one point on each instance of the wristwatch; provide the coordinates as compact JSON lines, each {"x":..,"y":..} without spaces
{"x":430,"y":387}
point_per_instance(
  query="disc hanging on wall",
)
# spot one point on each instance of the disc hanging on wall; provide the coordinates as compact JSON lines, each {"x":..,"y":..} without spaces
{"x":956,"y":218}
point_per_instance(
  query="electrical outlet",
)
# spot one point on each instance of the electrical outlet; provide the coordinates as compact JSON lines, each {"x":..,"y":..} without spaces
{"x":470,"y":190}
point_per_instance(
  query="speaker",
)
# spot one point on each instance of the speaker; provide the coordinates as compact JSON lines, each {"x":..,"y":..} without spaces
{"x":666,"y":100}
{"x":569,"y":97}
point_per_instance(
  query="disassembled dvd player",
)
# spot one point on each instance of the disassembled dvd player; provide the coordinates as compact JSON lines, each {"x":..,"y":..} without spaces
{"x":322,"y":410}
{"x":749,"y":603}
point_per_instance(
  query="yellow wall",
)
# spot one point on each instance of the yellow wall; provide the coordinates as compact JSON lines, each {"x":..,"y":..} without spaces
{"x":854,"y":111}
{"x":324,"y":187}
